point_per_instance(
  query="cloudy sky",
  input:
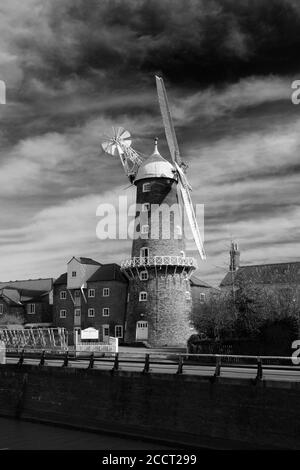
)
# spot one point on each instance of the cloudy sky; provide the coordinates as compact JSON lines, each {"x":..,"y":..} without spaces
{"x":74,"y":68}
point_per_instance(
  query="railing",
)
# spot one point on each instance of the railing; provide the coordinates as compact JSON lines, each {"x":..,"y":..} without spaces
{"x":211,"y":366}
{"x":140,"y":261}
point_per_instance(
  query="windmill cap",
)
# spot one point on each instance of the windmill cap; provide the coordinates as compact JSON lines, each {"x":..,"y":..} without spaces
{"x":156,"y":166}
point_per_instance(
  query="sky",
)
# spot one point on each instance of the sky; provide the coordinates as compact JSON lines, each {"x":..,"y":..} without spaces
{"x":75,"y":68}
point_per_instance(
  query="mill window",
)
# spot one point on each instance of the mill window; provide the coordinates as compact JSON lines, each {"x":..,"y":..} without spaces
{"x":91,"y":312}
{"x":119,"y":331}
{"x":144,"y":276}
{"x":91,"y":293}
{"x":31,"y":308}
{"x":105,"y":311}
{"x":143,"y":296}
{"x":146,"y":187}
{"x":63,"y":313}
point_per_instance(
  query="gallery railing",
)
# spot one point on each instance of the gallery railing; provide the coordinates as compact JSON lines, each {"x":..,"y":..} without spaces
{"x":140,"y":261}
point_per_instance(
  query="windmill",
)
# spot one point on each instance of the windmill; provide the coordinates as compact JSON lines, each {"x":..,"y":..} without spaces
{"x":158,"y":270}
{"x":120,"y":143}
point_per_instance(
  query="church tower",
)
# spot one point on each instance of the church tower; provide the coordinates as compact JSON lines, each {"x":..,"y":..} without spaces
{"x":159,"y":303}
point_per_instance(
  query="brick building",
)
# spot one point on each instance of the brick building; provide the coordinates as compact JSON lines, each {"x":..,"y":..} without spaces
{"x":91,"y":294}
{"x":26,"y":303}
{"x":269,"y":276}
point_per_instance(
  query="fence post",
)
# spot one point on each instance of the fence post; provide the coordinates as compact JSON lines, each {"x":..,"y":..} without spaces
{"x":21,"y":360}
{"x":116,"y":363}
{"x":147,"y":364}
{"x":42,"y":361}
{"x":259,"y":374}
{"x":66,"y":359}
{"x":92,"y":360}
{"x":2,"y":352}
{"x":218,"y":367}
{"x":180,"y":365}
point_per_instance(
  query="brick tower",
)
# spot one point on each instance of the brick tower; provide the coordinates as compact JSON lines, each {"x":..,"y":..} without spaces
{"x":159,"y":301}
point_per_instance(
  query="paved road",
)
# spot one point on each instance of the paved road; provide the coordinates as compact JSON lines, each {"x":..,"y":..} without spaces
{"x":22,"y":435}
{"x":171,"y":366}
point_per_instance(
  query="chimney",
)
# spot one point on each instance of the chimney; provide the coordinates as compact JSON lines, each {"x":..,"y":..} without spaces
{"x":234,"y":257}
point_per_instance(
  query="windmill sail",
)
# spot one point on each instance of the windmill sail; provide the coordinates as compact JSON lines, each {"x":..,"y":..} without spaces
{"x":120,"y":144}
{"x":167,"y":120}
{"x":187,"y":201}
{"x":174,"y":151}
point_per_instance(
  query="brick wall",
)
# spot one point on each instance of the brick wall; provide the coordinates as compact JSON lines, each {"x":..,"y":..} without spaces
{"x":184,"y":409}
{"x":116,"y":302}
{"x":167,"y":309}
{"x":163,"y":191}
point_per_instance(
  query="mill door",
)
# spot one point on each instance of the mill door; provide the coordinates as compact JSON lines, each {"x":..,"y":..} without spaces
{"x":141,"y":330}
{"x":77,"y":317}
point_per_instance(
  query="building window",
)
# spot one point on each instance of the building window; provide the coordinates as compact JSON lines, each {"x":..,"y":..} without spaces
{"x":146,"y":187}
{"x":106,"y":292}
{"x":145,"y":229}
{"x":91,"y":312}
{"x":73,"y":273}
{"x":144,"y":275}
{"x":77,"y":312}
{"x":1,"y":309}
{"x":77,"y":293}
{"x":144,"y":252}
{"x":105,"y":311}
{"x":63,"y":313}
{"x":143,"y":296}
{"x":119,"y":331}
{"x":146,"y":207}
{"x":63,"y":295}
{"x":91,"y":293}
{"x":202,"y":298}
{"x":105,"y":330}
{"x":31,"y":308}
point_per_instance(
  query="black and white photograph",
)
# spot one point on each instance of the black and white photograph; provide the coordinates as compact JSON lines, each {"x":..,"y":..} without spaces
{"x":149,"y":229}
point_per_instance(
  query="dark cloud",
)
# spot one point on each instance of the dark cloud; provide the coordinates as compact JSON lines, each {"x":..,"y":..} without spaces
{"x":196,"y":41}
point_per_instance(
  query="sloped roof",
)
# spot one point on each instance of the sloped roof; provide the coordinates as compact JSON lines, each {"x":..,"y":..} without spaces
{"x":16,"y":295}
{"x":108,"y":272}
{"x":83,"y":260}
{"x":196,"y":281}
{"x":62,"y":279}
{"x":275,"y":273}
{"x":10,"y":296}
{"x":42,"y":284}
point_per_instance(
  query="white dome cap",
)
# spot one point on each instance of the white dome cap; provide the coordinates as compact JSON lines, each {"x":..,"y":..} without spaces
{"x":156,"y":166}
